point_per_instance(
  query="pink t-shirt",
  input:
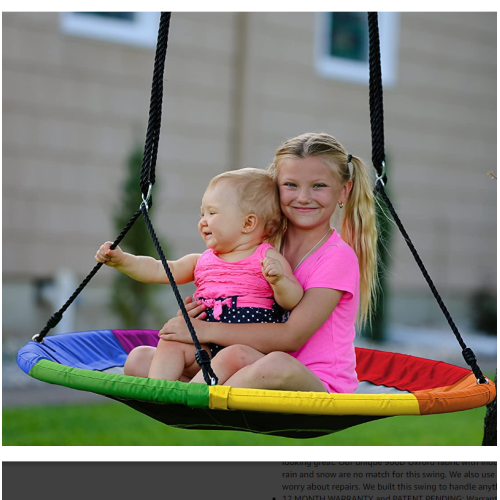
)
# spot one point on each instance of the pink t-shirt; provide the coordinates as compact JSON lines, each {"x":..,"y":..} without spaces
{"x":329,"y":353}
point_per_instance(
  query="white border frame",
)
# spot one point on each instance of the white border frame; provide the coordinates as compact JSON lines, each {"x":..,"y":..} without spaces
{"x":143,"y":32}
{"x":338,"y":68}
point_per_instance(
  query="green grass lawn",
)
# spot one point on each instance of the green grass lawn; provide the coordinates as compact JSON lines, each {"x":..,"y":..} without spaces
{"x":114,"y":424}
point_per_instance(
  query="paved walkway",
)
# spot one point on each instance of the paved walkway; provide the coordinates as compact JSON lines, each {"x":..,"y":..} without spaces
{"x":48,"y":394}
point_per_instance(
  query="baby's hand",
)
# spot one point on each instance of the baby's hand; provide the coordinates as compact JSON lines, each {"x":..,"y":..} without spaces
{"x":272,"y":270}
{"x":111,"y":258}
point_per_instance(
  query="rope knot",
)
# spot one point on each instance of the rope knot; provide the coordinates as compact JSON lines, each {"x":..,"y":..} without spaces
{"x":54,"y":319}
{"x":202,"y":357}
{"x":469,"y":356}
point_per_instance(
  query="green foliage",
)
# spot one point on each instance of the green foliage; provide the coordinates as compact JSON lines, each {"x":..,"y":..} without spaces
{"x":484,"y":311}
{"x":134,"y":302}
{"x":114,"y":424}
{"x":376,"y":330}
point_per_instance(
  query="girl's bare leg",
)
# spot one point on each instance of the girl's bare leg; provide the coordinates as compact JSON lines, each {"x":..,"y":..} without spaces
{"x":139,"y":361}
{"x":174,"y":361}
{"x":277,"y":371}
{"x":229,"y":361}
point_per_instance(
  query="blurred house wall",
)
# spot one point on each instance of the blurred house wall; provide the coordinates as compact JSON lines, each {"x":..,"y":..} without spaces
{"x":236,"y":86}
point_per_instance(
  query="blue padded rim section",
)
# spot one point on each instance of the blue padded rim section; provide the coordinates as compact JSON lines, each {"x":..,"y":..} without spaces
{"x":92,"y":350}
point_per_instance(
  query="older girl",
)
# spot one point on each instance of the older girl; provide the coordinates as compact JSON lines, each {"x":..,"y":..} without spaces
{"x":313,"y":350}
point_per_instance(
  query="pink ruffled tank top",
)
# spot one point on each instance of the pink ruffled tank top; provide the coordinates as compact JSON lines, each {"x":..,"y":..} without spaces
{"x":217,"y":279}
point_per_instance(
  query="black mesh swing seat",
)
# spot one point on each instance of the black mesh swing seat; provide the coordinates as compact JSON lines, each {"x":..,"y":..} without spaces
{"x":390,"y":383}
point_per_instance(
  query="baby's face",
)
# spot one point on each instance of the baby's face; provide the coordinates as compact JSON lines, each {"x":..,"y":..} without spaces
{"x":222,"y":221}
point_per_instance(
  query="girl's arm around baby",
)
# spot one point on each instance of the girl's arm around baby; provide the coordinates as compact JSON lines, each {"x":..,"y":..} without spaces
{"x":286,"y":289}
{"x":312,"y":311}
{"x":147,"y":269}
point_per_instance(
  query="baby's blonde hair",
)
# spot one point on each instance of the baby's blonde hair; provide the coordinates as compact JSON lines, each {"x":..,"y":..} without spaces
{"x":257,"y":194}
{"x":359,"y":229}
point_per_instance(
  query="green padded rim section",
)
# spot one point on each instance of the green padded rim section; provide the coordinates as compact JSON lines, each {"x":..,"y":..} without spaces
{"x":122,"y":386}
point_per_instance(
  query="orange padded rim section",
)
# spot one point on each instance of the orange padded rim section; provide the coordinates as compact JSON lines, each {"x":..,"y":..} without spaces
{"x":462,"y":395}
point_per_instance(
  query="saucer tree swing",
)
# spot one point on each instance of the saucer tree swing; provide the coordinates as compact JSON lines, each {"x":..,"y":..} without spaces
{"x":390,"y":383}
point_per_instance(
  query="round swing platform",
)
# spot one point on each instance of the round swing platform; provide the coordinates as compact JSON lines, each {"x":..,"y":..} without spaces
{"x":391,"y":384}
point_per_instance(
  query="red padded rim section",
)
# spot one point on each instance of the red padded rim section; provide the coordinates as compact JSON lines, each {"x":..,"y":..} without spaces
{"x":407,"y":373}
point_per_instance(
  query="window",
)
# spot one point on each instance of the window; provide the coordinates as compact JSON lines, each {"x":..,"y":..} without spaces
{"x":129,"y":28}
{"x":341,"y":46}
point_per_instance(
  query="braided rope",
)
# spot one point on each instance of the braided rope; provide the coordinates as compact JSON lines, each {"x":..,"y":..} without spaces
{"x":201,"y":356}
{"x":376,"y":97}
{"x":57,"y":316}
{"x":147,"y":180}
{"x":148,"y":169}
{"x":148,"y":165}
{"x":467,"y":353}
{"x":378,"y":159}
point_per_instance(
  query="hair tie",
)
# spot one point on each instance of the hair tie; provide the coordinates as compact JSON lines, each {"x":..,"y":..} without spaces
{"x":349,"y":158}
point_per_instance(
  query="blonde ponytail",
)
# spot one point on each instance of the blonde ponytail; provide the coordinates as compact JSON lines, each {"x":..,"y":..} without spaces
{"x":359,"y":231}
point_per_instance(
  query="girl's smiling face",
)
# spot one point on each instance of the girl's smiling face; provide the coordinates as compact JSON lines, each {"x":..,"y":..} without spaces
{"x":309,"y":192}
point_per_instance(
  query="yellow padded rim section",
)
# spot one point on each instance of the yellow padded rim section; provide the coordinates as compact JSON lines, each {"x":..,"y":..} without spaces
{"x":218,"y":396}
{"x":312,"y":403}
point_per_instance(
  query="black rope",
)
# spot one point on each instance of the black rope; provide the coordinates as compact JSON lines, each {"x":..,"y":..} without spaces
{"x":148,"y":177}
{"x":147,"y":180}
{"x":57,"y":316}
{"x":467,"y":353}
{"x":201,"y":355}
{"x":148,"y":164}
{"x":378,"y":159}
{"x":376,"y":98}
{"x":148,"y":173}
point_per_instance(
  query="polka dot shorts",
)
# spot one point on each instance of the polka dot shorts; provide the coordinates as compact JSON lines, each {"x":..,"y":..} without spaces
{"x":240,"y":315}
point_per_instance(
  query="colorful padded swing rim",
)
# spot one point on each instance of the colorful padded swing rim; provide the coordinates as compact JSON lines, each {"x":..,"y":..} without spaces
{"x":78,"y":361}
